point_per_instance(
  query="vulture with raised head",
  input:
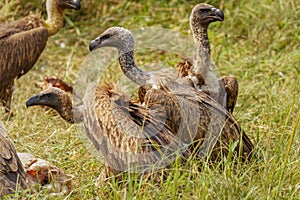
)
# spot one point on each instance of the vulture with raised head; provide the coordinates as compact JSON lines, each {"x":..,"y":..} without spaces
{"x":12,"y":174}
{"x":23,"y":41}
{"x":199,"y":71}
{"x":130,"y":134}
{"x":208,"y":122}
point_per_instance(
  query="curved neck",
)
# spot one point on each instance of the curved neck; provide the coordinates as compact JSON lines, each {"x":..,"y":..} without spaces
{"x":130,"y":69}
{"x":67,"y":111}
{"x":55,"y":17}
{"x":203,"y":50}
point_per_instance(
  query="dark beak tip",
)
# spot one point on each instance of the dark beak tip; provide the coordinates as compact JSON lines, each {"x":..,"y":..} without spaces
{"x":92,"y":46}
{"x":76,"y":4}
{"x":28,"y":104}
{"x":222,"y":18}
{"x":32,"y":101}
{"x":220,"y":14}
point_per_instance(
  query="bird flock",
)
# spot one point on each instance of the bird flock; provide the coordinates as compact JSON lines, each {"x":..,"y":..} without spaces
{"x":183,"y":113}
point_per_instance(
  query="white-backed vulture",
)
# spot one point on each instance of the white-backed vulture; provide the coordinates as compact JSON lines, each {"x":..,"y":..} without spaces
{"x":129,"y":136}
{"x":199,"y":70}
{"x":23,"y":41}
{"x":12,"y":175}
{"x":215,"y":128}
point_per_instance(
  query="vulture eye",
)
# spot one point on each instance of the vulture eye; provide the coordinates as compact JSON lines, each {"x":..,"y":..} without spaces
{"x":204,"y":10}
{"x":47,"y":95}
{"x":104,"y":37}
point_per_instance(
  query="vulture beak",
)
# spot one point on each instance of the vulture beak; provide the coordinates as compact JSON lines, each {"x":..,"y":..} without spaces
{"x":46,"y":98}
{"x":95,"y":44}
{"x":72,"y":4}
{"x":32,"y":101}
{"x":218,"y":13}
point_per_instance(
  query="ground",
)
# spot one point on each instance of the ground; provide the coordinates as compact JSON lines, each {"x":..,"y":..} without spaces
{"x":258,"y":42}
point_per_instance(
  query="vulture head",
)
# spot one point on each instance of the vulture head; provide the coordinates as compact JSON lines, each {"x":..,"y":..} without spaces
{"x":52,"y":97}
{"x":58,"y":100}
{"x":203,"y":14}
{"x":117,"y":37}
{"x":68,"y":4}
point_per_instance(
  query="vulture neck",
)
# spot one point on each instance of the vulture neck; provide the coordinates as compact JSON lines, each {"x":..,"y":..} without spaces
{"x":203,"y":62}
{"x":67,"y":111}
{"x":55,"y":17}
{"x":130,"y":69}
{"x":203,"y":50}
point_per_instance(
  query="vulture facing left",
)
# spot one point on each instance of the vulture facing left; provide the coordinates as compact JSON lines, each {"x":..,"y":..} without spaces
{"x":191,"y":114}
{"x":23,"y":41}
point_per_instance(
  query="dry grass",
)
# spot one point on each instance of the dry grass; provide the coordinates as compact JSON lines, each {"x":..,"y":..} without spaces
{"x":258,"y":43}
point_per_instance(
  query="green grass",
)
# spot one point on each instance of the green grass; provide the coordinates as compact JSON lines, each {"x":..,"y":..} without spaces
{"x":258,"y":43}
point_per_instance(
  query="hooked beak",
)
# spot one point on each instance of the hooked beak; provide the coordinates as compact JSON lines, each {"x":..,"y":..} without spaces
{"x":95,"y":44}
{"x":45,"y":98}
{"x":32,"y":101}
{"x":219,"y":13}
{"x":72,"y":4}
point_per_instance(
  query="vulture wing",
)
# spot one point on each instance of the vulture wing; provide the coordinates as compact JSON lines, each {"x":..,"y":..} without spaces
{"x":20,"y":51}
{"x":11,"y":169}
{"x":215,"y":124}
{"x":126,"y":134}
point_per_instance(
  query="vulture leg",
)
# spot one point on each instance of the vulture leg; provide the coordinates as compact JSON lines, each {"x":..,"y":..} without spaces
{"x":105,"y":174}
{"x":6,"y":96}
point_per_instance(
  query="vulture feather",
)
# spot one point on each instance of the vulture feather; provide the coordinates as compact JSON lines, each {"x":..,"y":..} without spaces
{"x":23,"y":41}
{"x":12,"y":174}
{"x":191,"y":113}
{"x":128,"y":136}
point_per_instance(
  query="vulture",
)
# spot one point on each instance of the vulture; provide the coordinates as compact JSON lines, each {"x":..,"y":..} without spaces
{"x":132,"y":136}
{"x":199,"y":71}
{"x":23,"y":41}
{"x":127,"y":135}
{"x":12,"y":174}
{"x":192,"y":115}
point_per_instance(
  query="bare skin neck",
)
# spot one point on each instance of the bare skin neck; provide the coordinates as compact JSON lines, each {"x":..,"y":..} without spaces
{"x":67,"y":111}
{"x":55,"y":18}
{"x":203,"y":50}
{"x":130,"y":69}
{"x":203,"y":60}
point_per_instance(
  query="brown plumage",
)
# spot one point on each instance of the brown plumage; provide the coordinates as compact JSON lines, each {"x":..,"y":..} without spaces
{"x":12,"y":174}
{"x":198,"y":71}
{"x":23,"y":41}
{"x":229,"y":83}
{"x":127,"y":135}
{"x":208,"y":122}
{"x":232,"y":89}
